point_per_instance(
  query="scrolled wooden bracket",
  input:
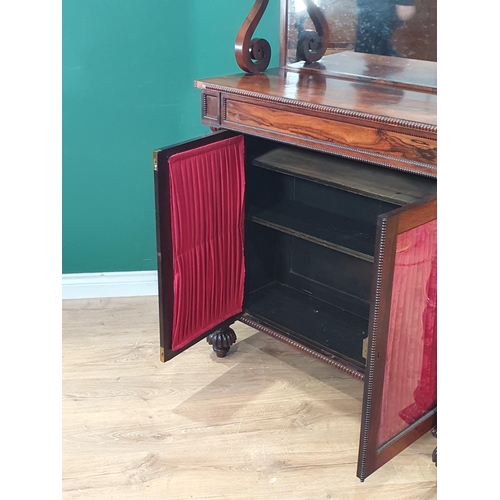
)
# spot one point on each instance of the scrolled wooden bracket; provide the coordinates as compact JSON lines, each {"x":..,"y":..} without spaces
{"x":252,"y":55}
{"x":312,"y":45}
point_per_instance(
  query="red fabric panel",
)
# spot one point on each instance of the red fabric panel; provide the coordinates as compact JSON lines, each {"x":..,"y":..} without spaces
{"x":410,"y":384}
{"x":207,"y":213}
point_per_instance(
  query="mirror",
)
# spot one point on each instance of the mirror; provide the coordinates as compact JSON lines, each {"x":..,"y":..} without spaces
{"x":355,"y":28}
{"x":369,"y":26}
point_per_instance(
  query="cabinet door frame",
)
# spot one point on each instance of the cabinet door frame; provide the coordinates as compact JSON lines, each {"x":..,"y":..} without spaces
{"x":371,"y":455}
{"x":164,"y":242}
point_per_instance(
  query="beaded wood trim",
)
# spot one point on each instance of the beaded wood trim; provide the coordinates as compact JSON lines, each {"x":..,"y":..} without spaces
{"x":370,"y":362}
{"x":316,"y":145}
{"x":340,"y":366}
{"x":424,"y":127}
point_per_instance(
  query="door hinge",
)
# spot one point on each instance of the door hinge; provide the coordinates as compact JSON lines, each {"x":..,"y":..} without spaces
{"x":162,"y":354}
{"x":364,"y":350}
{"x":155,"y":161}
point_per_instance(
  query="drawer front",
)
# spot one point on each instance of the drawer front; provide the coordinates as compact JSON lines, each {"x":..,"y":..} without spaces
{"x":380,"y":144}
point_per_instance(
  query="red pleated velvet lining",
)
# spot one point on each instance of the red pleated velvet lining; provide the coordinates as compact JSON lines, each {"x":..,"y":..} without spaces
{"x":206,"y":200}
{"x":410,"y":386}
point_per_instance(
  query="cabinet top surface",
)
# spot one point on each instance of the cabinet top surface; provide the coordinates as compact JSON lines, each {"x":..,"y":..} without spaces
{"x":333,"y":93}
{"x":410,"y":74}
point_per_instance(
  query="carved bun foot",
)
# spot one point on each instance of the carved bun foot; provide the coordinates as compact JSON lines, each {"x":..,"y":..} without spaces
{"x":221,"y":341}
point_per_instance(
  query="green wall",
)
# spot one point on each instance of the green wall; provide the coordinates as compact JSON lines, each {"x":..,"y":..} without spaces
{"x":128,"y":73}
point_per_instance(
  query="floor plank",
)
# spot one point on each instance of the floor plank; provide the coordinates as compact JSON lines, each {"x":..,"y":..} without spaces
{"x":264,"y":422}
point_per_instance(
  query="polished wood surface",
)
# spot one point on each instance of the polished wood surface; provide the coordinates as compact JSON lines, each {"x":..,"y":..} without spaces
{"x":264,"y":422}
{"x":252,"y":55}
{"x":380,"y":124}
{"x":379,"y":183}
{"x":411,"y":74}
{"x":355,"y":99}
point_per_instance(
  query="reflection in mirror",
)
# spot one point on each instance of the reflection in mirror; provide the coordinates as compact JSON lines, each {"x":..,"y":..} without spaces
{"x":399,"y":28}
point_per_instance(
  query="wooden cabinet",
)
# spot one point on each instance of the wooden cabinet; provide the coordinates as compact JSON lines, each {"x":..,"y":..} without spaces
{"x":335,"y":256}
{"x":310,"y":215}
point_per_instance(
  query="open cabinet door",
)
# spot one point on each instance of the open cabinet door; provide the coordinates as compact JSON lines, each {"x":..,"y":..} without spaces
{"x":199,"y":191}
{"x":400,"y":397}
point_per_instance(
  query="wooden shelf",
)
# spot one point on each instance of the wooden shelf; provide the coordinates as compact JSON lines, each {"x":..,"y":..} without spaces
{"x":322,"y":324}
{"x":372,"y":181}
{"x":318,"y":226}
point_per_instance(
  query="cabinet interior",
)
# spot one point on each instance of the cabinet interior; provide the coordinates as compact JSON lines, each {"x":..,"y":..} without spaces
{"x":310,"y":241}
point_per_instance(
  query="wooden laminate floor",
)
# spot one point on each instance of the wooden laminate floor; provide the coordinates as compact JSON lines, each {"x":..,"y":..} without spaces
{"x":266,"y":422}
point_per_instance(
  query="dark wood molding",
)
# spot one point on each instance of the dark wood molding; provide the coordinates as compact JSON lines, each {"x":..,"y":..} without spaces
{"x":259,"y":325}
{"x":252,"y":54}
{"x":210,"y":108}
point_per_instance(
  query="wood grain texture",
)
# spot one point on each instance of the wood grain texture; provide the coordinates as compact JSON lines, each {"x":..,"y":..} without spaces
{"x":380,"y":124}
{"x":252,"y":54}
{"x":264,"y":422}
{"x":362,"y":100}
{"x":367,"y":144}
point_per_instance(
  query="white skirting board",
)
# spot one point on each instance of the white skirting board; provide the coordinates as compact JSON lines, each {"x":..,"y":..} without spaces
{"x":99,"y":285}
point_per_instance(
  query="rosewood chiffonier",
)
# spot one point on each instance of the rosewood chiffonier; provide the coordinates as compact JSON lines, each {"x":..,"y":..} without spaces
{"x":309,"y":213}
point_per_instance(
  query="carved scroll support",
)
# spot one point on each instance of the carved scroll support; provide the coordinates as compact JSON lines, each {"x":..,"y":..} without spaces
{"x":312,"y":45}
{"x":252,"y":54}
{"x":221,"y":341}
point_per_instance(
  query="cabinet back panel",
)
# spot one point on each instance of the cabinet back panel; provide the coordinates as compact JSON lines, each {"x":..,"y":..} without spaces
{"x":265,"y":188}
{"x":373,"y":181}
{"x":303,"y":289}
{"x":334,"y":277}
{"x":311,"y":321}
{"x":343,"y":203}
{"x":266,"y":256}
{"x":338,"y":278}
